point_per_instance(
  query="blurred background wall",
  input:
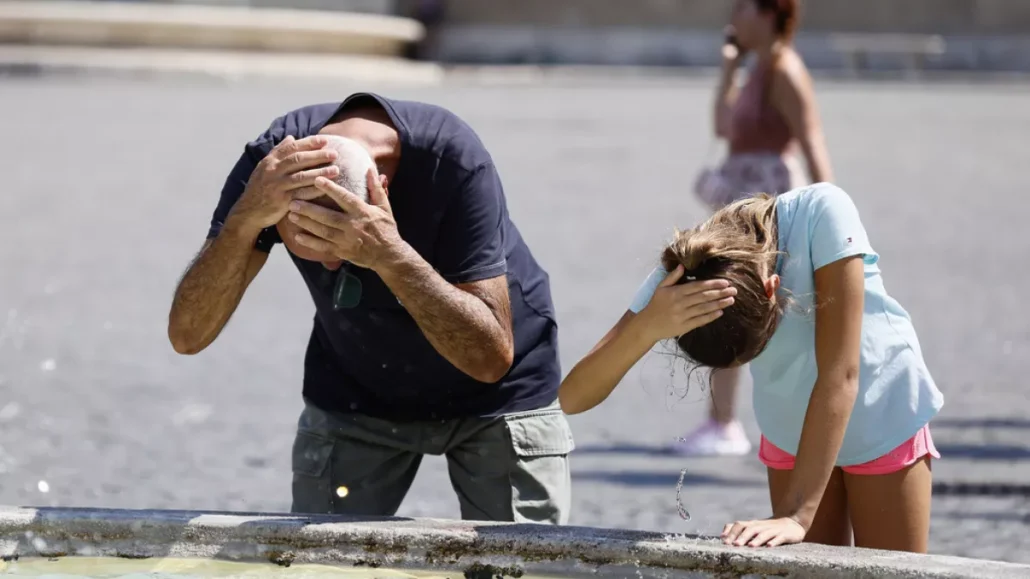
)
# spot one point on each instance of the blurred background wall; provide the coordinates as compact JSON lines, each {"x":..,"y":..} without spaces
{"x":992,"y":35}
{"x":975,"y":34}
{"x":967,"y":17}
{"x":923,"y":16}
{"x":366,"y":6}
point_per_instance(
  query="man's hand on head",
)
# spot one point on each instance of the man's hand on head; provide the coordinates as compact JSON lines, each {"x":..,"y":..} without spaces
{"x":364,"y":234}
{"x":285,"y":174}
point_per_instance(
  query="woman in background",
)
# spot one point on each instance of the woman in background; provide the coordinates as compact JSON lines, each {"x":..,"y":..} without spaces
{"x":766,"y":122}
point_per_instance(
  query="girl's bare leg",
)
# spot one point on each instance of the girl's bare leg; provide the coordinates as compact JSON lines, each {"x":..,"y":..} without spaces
{"x":832,"y":524}
{"x":722,"y":434}
{"x":725,"y":384}
{"x":892,"y":511}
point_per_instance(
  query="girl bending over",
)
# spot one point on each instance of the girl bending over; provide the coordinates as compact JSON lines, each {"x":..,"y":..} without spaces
{"x":841,"y":392}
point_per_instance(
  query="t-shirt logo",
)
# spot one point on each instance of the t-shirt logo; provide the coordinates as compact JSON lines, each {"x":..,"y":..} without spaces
{"x":848,"y":240}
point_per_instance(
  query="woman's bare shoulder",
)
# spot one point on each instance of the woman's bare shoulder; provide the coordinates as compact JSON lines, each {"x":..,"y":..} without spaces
{"x":790,"y":69}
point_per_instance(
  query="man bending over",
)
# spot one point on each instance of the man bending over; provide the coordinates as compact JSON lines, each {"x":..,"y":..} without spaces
{"x":434,"y":330}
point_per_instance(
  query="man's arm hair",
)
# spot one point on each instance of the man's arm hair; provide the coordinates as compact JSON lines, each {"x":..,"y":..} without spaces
{"x":212,"y":288}
{"x":469,"y":324}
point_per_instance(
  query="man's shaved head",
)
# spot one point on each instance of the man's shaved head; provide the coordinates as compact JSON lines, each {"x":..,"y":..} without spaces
{"x":353,"y":162}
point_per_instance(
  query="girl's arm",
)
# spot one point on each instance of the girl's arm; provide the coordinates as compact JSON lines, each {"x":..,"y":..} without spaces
{"x":840,"y":250}
{"x":599,"y":372}
{"x":840,"y":291}
{"x":792,"y":94}
{"x":673,"y":311}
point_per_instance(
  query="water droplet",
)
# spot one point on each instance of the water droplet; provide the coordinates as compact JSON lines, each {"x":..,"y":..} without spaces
{"x":1006,"y":348}
{"x":342,"y":491}
{"x":10,"y":411}
{"x":48,"y":365}
{"x":255,"y":462}
{"x":192,"y":414}
{"x":51,"y":288}
{"x":684,"y":514}
{"x":108,"y":325}
{"x":43,"y":486}
{"x":13,"y":330}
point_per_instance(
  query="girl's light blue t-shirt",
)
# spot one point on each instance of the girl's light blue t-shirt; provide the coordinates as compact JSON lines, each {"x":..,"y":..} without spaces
{"x":819,"y":225}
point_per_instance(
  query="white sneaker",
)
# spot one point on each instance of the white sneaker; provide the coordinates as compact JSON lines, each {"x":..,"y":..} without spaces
{"x":715,"y":439}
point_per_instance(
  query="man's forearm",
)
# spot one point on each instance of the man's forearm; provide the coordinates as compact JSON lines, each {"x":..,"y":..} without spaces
{"x":211,"y":289}
{"x":462,"y":327}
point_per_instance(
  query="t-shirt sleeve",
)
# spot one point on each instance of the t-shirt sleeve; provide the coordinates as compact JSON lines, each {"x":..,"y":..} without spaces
{"x":470,"y":246}
{"x":233,"y":188}
{"x":647,"y":289}
{"x":836,"y":231}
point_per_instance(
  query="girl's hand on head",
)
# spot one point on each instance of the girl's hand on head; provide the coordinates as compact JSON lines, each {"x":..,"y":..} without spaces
{"x":764,"y":533}
{"x":675,"y":310}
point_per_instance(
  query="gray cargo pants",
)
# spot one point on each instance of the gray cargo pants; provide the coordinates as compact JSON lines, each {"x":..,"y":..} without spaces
{"x":514,"y":468}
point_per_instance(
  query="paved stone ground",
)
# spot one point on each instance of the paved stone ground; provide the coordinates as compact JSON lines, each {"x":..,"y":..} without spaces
{"x":109,"y":184}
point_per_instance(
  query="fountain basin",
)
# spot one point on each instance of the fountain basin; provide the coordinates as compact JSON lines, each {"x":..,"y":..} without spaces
{"x":442,"y":548}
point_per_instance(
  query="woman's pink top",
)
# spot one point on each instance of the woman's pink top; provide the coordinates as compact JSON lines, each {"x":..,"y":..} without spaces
{"x":755,"y":124}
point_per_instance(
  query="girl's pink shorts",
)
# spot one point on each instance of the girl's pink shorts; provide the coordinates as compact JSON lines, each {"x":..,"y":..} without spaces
{"x":910,"y":452}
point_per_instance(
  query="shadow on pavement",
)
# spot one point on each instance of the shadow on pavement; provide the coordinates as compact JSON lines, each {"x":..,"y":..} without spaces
{"x":994,"y":517}
{"x":981,"y":423}
{"x":984,"y":451}
{"x":638,"y":449}
{"x":980,"y":489}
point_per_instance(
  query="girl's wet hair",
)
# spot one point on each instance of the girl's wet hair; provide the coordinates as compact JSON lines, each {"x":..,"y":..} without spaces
{"x":738,"y":244}
{"x":786,"y":12}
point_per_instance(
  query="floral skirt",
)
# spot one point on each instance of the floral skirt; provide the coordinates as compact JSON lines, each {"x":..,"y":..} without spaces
{"x":747,"y":174}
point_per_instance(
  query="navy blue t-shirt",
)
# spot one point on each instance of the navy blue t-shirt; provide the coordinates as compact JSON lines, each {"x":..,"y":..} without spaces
{"x":450,"y":207}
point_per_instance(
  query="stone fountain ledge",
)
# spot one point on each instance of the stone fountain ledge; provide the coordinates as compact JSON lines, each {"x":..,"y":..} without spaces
{"x":85,"y":23}
{"x":224,"y":41}
{"x":453,"y":545}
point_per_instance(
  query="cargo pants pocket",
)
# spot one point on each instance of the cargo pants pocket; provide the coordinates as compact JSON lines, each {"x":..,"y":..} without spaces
{"x":312,"y":482}
{"x":350,"y":464}
{"x":541,"y":483}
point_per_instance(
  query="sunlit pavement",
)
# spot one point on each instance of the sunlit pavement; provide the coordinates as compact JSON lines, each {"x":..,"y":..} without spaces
{"x":109,"y":185}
